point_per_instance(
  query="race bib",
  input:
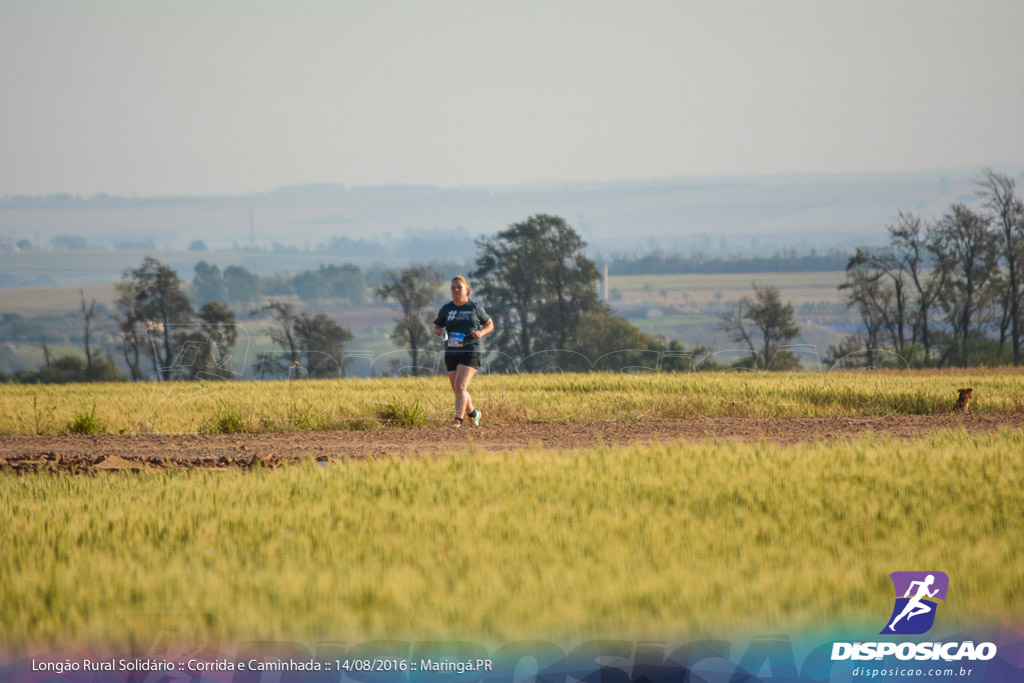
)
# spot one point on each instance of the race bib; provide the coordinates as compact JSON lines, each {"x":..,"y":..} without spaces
{"x":456,"y":340}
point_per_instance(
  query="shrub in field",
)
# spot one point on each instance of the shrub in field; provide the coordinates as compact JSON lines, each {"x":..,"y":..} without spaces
{"x":403,"y":413}
{"x":86,"y":423}
{"x":227,"y":421}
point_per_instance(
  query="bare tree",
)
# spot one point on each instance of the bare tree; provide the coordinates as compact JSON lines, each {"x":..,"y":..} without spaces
{"x":731,"y":322}
{"x":88,"y":315}
{"x":999,"y":194}
{"x":771,"y":320}
{"x":966,"y":251}
{"x":873,"y":298}
{"x":414,"y":288}
{"x":876,"y":280}
{"x":130,"y":324}
{"x":283,"y":335}
{"x":323,"y":344}
{"x":909,"y":238}
{"x":313,"y":342}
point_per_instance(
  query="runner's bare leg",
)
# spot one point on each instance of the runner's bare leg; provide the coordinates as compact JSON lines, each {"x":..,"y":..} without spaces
{"x":460,"y":384}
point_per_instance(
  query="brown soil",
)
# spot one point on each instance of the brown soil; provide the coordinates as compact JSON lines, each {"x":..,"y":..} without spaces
{"x":155,"y":451}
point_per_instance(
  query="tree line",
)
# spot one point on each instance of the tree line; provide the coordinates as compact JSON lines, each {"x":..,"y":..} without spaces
{"x":94,"y":367}
{"x":241,"y":289}
{"x":944,"y":292}
{"x":534,"y":278}
{"x":163,"y":335}
{"x":659,"y":262}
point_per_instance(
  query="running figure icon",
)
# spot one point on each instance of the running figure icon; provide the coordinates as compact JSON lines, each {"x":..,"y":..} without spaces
{"x":916,"y":604}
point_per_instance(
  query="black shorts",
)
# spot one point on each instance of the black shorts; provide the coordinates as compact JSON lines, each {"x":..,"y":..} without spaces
{"x":471,"y":358}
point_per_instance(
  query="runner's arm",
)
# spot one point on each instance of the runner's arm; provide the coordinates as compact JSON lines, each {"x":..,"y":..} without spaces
{"x":485,"y":330}
{"x":439,"y":323}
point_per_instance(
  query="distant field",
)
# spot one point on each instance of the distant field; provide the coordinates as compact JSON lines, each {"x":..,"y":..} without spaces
{"x":700,"y":290}
{"x":31,"y":301}
{"x":638,"y":542}
{"x":97,"y":266}
{"x":705,"y":330}
{"x":681,"y":291}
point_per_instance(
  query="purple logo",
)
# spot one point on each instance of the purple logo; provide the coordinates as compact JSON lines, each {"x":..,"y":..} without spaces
{"x":917,"y":596}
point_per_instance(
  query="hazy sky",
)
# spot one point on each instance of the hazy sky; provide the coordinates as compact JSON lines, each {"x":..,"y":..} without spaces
{"x":178,"y":97}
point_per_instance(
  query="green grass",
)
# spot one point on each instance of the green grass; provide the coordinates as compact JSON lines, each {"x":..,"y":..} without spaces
{"x":86,"y":423}
{"x":402,"y":413}
{"x":606,"y":542}
{"x":192,"y":407}
{"x":226,"y":421}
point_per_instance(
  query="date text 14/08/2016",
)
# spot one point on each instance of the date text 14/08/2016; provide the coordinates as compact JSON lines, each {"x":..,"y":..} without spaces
{"x":448,"y":666}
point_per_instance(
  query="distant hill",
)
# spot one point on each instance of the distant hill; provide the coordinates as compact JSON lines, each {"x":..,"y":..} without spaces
{"x":717,"y":216}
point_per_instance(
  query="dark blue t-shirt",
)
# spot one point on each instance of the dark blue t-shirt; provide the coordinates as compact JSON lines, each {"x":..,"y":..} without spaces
{"x":459,"y":322}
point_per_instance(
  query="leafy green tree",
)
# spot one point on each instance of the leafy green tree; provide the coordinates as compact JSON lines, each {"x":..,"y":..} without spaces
{"x":599,"y":334}
{"x":343,"y":282}
{"x":323,"y":344}
{"x":766,"y":321}
{"x":16,"y":327}
{"x":311,"y":286}
{"x":208,"y":284}
{"x":163,"y":307}
{"x":207,"y":351}
{"x":414,"y":288}
{"x":851,"y":352}
{"x":68,"y":368}
{"x":536,"y":282}
{"x":346,"y":282}
{"x":243,"y":287}
{"x":611,"y":342}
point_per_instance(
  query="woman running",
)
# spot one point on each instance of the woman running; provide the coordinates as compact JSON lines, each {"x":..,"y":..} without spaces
{"x":464,"y":323}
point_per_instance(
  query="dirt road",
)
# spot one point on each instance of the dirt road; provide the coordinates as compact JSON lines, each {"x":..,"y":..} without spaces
{"x":152,"y":451}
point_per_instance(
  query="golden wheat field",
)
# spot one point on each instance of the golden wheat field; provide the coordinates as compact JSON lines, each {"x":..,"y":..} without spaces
{"x":638,"y":541}
{"x":197,"y":407}
{"x":631,"y":540}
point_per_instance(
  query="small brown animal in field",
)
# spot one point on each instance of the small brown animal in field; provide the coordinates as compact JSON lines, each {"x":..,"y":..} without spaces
{"x":963,"y":402}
